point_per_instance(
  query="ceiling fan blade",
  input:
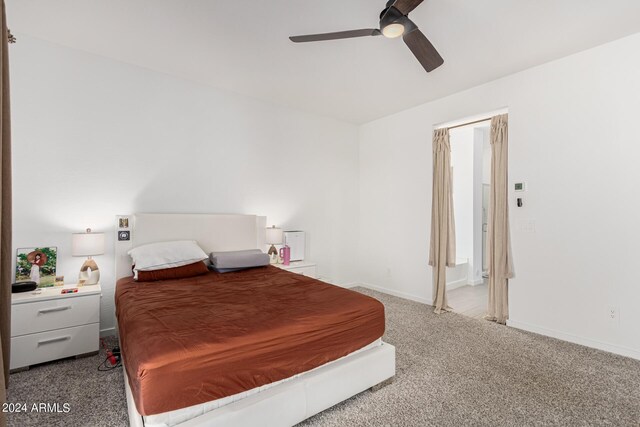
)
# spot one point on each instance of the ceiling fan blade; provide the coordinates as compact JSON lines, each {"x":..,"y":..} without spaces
{"x":406,"y":6}
{"x":423,"y":50}
{"x":335,"y":36}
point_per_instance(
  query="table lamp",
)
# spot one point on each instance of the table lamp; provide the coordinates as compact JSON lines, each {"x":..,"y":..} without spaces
{"x":88,"y":244}
{"x":274,"y":237}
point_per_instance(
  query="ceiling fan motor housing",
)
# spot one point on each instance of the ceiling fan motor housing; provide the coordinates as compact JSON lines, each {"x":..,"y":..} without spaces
{"x":391,"y":15}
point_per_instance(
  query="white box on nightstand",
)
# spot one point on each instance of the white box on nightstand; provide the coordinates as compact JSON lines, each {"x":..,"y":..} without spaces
{"x":47,"y":325}
{"x":296,"y":241}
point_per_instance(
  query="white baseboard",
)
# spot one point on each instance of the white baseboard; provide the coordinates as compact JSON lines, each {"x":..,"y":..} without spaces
{"x":463,"y":282}
{"x":107,"y":331}
{"x":588,"y":342}
{"x":396,"y":293}
{"x":342,"y":285}
{"x":457,"y":284}
{"x":350,"y":285}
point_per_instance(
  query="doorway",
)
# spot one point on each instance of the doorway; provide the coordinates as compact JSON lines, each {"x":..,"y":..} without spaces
{"x":467,"y":285}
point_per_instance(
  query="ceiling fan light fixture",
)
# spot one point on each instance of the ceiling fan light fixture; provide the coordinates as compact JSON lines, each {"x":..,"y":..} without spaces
{"x":393,"y":30}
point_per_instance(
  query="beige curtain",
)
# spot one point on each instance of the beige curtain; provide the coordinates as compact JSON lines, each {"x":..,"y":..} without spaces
{"x":500,"y":263}
{"x":442,"y":252}
{"x":5,"y":213}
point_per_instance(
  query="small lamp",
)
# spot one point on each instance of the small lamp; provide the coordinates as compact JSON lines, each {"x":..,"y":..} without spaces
{"x":274,"y":237}
{"x":88,"y":244}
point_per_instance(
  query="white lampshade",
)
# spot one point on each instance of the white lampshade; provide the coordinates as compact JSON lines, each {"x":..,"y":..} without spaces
{"x":87,"y":244}
{"x":274,"y":236}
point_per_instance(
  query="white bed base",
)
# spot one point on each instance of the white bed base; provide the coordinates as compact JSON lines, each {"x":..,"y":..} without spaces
{"x":294,"y":401}
{"x":285,"y":404}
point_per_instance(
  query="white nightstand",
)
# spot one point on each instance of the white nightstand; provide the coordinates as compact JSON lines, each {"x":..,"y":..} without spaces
{"x":47,"y":325}
{"x":305,"y":268}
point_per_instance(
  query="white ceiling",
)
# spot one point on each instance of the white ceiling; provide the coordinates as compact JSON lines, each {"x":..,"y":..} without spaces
{"x":243,"y":46}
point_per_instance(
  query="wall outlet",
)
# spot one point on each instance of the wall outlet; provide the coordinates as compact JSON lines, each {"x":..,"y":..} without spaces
{"x":613,"y":314}
{"x":527,"y":225}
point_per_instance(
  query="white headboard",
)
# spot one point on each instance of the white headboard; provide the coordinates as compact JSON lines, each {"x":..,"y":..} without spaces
{"x":213,"y":232}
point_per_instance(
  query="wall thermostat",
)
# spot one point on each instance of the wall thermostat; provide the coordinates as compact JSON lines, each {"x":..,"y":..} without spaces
{"x":124,"y":235}
{"x":519,"y":186}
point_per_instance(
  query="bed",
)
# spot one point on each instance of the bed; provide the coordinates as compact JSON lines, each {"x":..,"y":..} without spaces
{"x":256,"y":347}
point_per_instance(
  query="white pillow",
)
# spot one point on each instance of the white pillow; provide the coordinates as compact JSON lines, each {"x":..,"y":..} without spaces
{"x":156,"y":256}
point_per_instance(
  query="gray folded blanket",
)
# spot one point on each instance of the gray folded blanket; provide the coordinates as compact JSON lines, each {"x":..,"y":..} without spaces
{"x":236,"y":260}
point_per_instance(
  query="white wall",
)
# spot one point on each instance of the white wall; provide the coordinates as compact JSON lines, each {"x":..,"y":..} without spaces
{"x":475,"y":269}
{"x":467,"y":162}
{"x":486,"y":155}
{"x":93,"y":138}
{"x":462,"y":143}
{"x":574,"y":139}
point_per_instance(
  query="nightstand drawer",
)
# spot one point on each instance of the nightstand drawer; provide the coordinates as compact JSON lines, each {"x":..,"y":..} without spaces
{"x":305,"y":268}
{"x":37,"y":348}
{"x":54,"y":314}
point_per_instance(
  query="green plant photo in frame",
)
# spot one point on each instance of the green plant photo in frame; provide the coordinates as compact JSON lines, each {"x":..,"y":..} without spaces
{"x":37,"y":265}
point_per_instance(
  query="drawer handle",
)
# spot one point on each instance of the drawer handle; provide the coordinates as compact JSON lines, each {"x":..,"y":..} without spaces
{"x":51,"y":310}
{"x":52,"y":340}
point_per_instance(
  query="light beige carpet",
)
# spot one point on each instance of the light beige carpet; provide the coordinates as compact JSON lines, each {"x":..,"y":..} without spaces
{"x":457,"y":371}
{"x":451,"y":371}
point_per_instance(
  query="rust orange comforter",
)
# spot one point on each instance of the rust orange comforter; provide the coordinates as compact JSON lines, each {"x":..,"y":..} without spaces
{"x":189,"y":341}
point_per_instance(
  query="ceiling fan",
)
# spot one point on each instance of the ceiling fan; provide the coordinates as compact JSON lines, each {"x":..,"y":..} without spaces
{"x":394,"y":22}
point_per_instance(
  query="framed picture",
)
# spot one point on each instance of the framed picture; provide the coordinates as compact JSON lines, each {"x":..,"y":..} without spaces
{"x":37,"y":265}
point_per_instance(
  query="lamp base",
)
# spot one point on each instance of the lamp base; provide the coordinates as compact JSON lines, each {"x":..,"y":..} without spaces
{"x":89,"y":273}
{"x":273,"y":255}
